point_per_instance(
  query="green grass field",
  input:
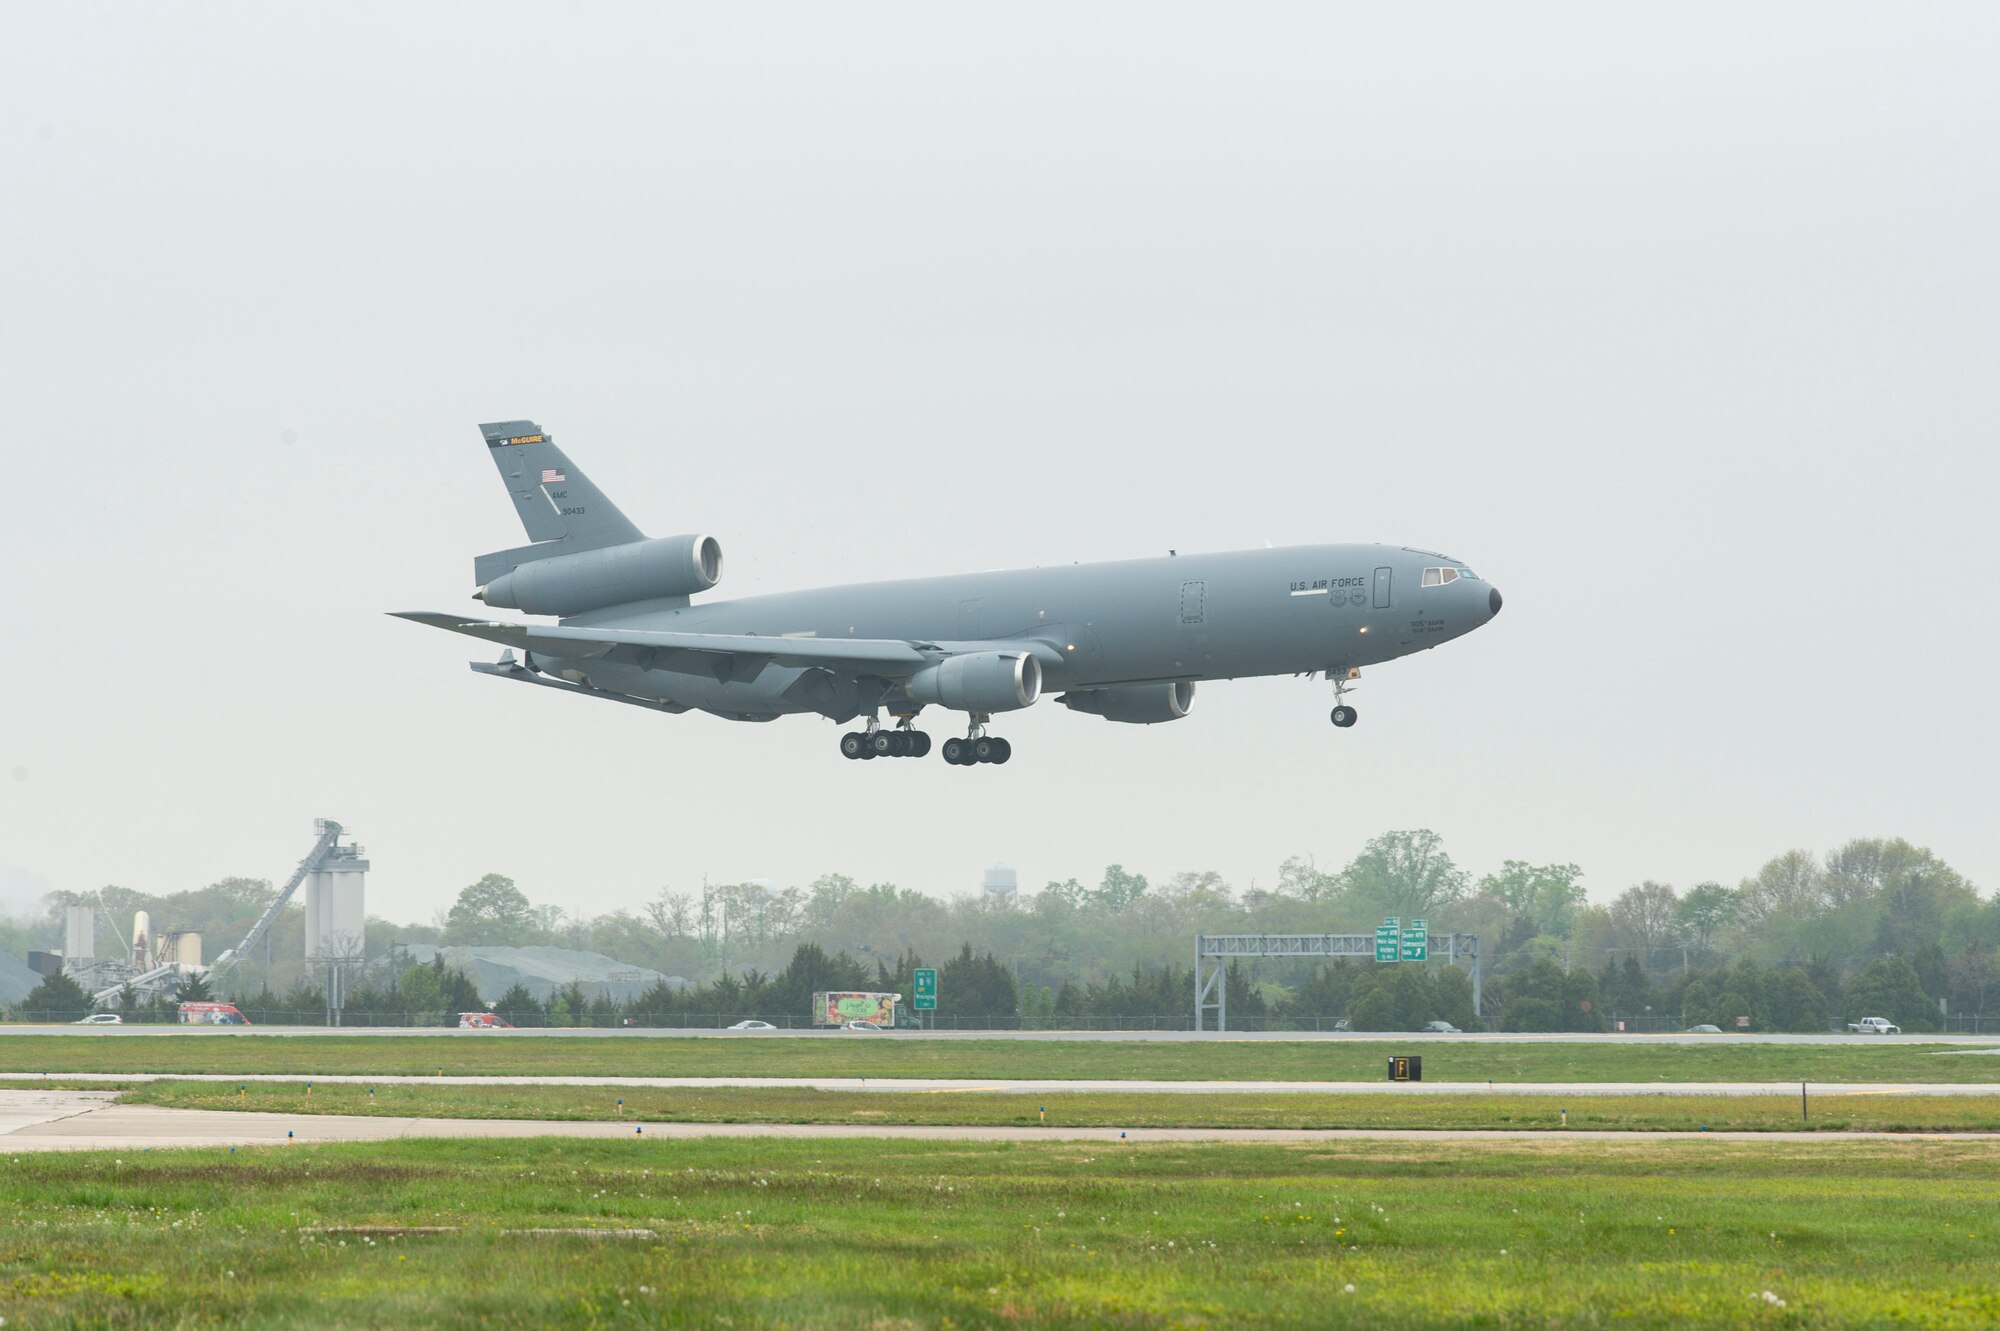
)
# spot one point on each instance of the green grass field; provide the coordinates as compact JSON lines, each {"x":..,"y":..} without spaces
{"x":888,"y":1236}
{"x":1827,"y":1113}
{"x":891,"y":1056}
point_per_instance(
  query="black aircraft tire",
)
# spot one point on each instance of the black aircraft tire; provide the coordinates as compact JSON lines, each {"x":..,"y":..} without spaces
{"x":882,"y":744}
{"x":954,"y":752}
{"x":1345,"y":716}
{"x":920,"y":744}
{"x":982,"y":750}
{"x":1002,"y":751}
{"x":850,"y":744}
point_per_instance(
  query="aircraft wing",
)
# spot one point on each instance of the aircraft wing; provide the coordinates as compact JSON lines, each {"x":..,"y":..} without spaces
{"x":890,"y":657}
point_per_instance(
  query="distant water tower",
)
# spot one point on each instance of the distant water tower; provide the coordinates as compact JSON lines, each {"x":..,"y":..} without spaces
{"x":336,"y":909}
{"x":1001,"y":884}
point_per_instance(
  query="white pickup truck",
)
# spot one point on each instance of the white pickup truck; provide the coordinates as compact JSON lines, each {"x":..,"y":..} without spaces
{"x":1873,"y":1026}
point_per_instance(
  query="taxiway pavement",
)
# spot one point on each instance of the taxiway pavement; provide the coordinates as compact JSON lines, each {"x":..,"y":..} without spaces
{"x":91,"y":1120}
{"x":954,"y":1085}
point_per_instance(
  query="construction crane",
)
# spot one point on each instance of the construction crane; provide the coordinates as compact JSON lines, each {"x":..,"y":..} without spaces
{"x":328,"y":833}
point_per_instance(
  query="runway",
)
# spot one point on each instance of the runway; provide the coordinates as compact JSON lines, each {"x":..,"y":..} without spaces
{"x":91,"y":1120}
{"x":1001,"y":1086}
{"x":1122,"y":1036}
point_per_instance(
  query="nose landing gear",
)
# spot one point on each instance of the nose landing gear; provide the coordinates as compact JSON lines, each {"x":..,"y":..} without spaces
{"x":1343,"y":715}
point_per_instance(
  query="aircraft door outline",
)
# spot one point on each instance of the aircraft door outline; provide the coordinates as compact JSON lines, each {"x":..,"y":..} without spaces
{"x":1385,"y":590}
{"x":1193,"y":594}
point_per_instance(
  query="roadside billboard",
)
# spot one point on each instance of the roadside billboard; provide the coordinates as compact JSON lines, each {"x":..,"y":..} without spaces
{"x":836,"y":1008}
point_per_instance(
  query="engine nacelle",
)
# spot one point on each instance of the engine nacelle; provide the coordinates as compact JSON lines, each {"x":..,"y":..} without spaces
{"x":979,"y":682}
{"x":593,"y":579}
{"x":1135,"y":704}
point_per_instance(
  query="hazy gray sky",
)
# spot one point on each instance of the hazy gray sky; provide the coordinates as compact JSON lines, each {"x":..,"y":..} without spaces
{"x":1680,"y":327}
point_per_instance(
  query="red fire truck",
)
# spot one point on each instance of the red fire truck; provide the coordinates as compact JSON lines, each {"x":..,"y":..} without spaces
{"x":212,"y":1014}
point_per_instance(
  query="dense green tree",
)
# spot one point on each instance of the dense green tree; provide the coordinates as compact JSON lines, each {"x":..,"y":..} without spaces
{"x":1645,"y":918}
{"x":975,"y":985}
{"x":518,"y":1007}
{"x":1406,"y":874}
{"x":1548,"y":894}
{"x":810,"y":971}
{"x":492,"y":912}
{"x":1301,"y":877}
{"x":1119,"y":889}
{"x":1889,"y":988}
{"x":1704,"y":911}
{"x":1795,"y":1004}
{"x":1625,"y":986}
{"x":1545,"y":997}
{"x":1453,"y":999}
{"x":56,"y":998}
{"x":1697,"y":1002}
{"x":574,"y":1003}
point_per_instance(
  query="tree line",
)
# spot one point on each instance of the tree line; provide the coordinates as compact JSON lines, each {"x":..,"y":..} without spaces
{"x":1782,"y":946}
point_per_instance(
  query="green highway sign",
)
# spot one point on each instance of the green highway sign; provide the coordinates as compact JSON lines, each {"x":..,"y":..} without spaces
{"x":1386,"y":935}
{"x":925,"y":986}
{"x":1416,"y":941}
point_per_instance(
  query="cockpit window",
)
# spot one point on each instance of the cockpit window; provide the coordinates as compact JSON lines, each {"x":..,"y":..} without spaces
{"x":1438,"y":577}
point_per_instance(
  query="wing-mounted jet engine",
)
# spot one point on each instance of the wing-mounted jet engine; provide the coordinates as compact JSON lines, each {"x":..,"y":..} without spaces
{"x":1135,"y":704}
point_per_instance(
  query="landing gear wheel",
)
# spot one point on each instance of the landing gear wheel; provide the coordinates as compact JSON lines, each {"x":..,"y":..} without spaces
{"x":920,"y":743}
{"x":955,"y":752}
{"x":1345,"y":716}
{"x":854,"y":745}
{"x":884,"y":744}
{"x":1002,"y":751}
{"x":982,"y":749}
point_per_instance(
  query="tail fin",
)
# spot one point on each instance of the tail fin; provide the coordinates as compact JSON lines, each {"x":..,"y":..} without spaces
{"x":560,"y":508}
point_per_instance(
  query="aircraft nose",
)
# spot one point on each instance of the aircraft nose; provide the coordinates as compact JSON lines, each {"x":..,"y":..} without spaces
{"x":1492,"y":602}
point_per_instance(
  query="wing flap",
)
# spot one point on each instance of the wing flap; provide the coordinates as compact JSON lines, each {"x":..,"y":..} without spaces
{"x":891,"y":657}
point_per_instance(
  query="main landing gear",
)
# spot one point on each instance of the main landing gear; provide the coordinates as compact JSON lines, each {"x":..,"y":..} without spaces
{"x":971,"y":752}
{"x":875,"y":742}
{"x":977,"y":746}
{"x":903,"y":742}
{"x":1343,"y":715}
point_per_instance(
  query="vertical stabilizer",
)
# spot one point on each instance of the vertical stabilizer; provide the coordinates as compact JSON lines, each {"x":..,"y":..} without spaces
{"x":561,"y":509}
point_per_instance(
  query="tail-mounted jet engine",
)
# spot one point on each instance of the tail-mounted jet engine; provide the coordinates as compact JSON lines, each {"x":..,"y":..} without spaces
{"x":979,"y":682}
{"x":670,"y":566}
{"x":1135,"y":704}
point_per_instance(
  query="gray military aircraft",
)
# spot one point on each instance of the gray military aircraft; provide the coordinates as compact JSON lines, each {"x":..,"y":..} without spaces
{"x":1125,"y":641}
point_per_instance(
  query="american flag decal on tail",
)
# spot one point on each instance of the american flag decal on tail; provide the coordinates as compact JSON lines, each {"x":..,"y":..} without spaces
{"x":550,"y":476}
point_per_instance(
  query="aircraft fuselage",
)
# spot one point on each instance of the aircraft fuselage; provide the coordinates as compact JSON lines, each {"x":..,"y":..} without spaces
{"x":1189,"y":617}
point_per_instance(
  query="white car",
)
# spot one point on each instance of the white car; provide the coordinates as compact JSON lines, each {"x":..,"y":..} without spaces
{"x":1440,"y":1028}
{"x":753,"y":1026}
{"x":1874,"y":1026}
{"x":100,"y":1019}
{"x":862,"y":1026}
